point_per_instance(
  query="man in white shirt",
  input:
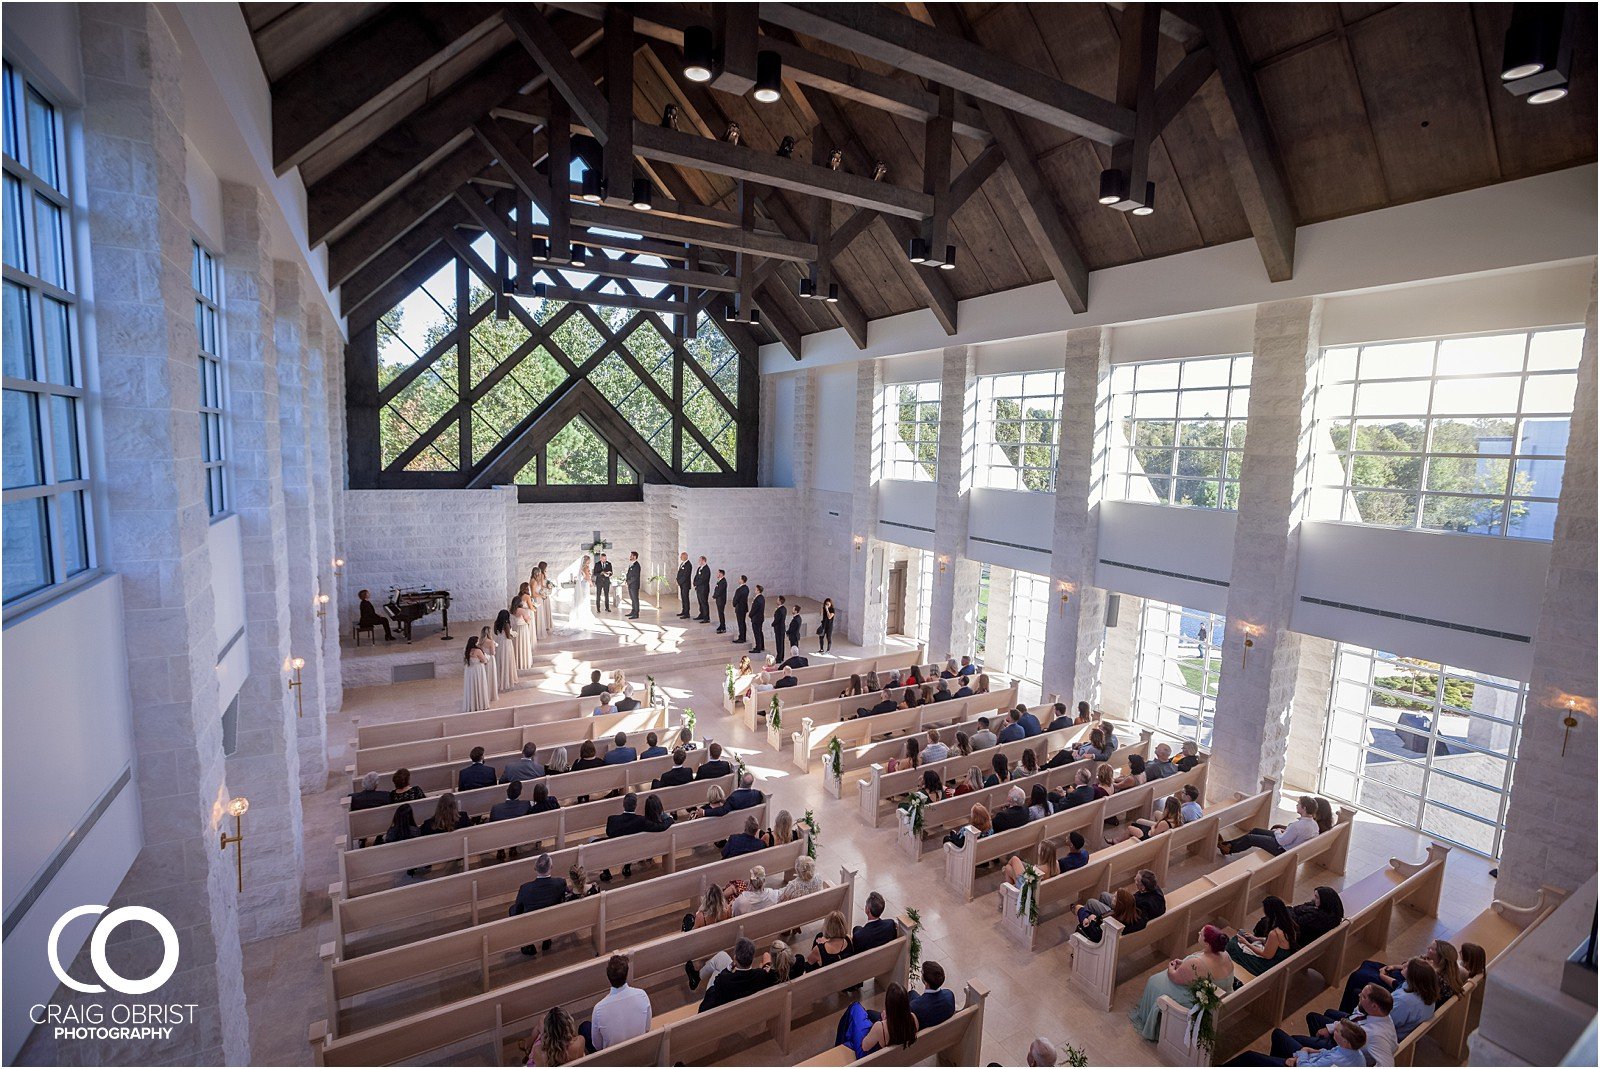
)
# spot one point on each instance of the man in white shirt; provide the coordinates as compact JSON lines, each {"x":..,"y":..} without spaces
{"x":983,"y":738}
{"x":621,"y":1015}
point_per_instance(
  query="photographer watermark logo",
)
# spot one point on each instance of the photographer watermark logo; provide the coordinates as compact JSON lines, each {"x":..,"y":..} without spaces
{"x":97,"y":949}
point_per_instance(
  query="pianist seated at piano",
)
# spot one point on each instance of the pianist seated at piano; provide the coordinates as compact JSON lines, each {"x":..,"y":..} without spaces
{"x":371,"y":617}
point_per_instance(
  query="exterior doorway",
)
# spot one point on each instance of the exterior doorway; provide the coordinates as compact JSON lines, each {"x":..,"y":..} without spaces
{"x":896,"y":609}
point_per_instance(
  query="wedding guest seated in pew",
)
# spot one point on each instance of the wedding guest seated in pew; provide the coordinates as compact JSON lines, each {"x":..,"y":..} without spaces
{"x":627,"y":703}
{"x":745,"y":842}
{"x":594,"y":687}
{"x":1441,"y":955}
{"x":934,"y":749}
{"x":677,"y":775}
{"x":1189,"y":803}
{"x":853,"y":690}
{"x":1030,"y":723}
{"x":1415,"y":998}
{"x":1095,"y":747}
{"x":1039,"y":803}
{"x":1082,"y":792}
{"x":607,"y":706}
{"x":619,"y":825}
{"x":1279,"y":838}
{"x":369,"y":797}
{"x":403,"y":790}
{"x":542,"y":802}
{"x":1083,"y":716}
{"x":556,"y":1040}
{"x":401,"y":828}
{"x":447,"y":816}
{"x":1373,"y":1016}
{"x":949,"y":671}
{"x":1014,"y":814}
{"x":805,"y":882}
{"x":756,"y":895}
{"x":744,"y":978}
{"x":1027,"y":765}
{"x":1058,"y":717}
{"x":588,"y":757}
{"x":514,"y":806}
{"x":686,"y":740}
{"x":1105,"y":783}
{"x":1171,"y":817}
{"x":1210,"y":962}
{"x":714,"y":767}
{"x":656,"y":817}
{"x":1257,"y":954}
{"x":910,"y":757}
{"x":716,"y":803}
{"x":1123,"y":908}
{"x":1190,"y":758}
{"x":886,"y":704}
{"x":967,"y":668}
{"x":652,"y":747}
{"x":746,"y":796}
{"x":541,"y":891}
{"x":1315,"y":919}
{"x":936,"y":1004}
{"x":477,"y":774}
{"x":558,"y":763}
{"x":972,"y":782}
{"x":878,"y":931}
{"x":864,"y":1030}
{"x":1149,"y":900}
{"x":1002,"y":771}
{"x":714,"y":908}
{"x":1064,"y":756}
{"x":832,"y":943}
{"x":1349,"y":1047}
{"x":941,"y":693}
{"x":1045,"y":861}
{"x":783,"y":963}
{"x":1161,"y":766}
{"x":966,"y":690}
{"x":787,"y":679}
{"x":782,"y":830}
{"x":979,"y":825}
{"x":1135,"y":776}
{"x":622,"y":1015}
{"x":524,"y":767}
{"x":983,"y":738}
{"x":963,"y":745}
{"x":620,"y":753}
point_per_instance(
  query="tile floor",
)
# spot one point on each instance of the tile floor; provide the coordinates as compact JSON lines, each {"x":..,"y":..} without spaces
{"x":1029,"y":996}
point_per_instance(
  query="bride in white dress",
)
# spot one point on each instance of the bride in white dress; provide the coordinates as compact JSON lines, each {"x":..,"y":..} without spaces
{"x":582,"y":615}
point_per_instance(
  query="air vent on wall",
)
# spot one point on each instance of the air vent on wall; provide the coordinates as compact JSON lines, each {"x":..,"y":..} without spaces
{"x":1163,"y":571}
{"x":1408,"y":618}
{"x":1008,"y":545}
{"x":907,"y":526}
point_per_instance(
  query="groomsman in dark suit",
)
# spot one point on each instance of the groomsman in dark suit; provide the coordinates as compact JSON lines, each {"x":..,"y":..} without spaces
{"x":758,"y":615}
{"x":794,"y":631}
{"x":780,"y":625}
{"x":602,"y":583}
{"x":719,"y":597}
{"x":702,"y":591}
{"x":741,"y":607}
{"x":632,"y":581}
{"x":685,"y":570}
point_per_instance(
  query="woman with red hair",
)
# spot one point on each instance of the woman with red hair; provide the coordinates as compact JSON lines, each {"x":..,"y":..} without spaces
{"x":1210,"y":962}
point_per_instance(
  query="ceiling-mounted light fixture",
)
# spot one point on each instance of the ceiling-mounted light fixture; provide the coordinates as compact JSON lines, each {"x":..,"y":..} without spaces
{"x":833,"y":293}
{"x":917,"y":250}
{"x":807,"y":289}
{"x":541,"y":249}
{"x":641,"y":195}
{"x":1148,"y":207}
{"x":699,"y":53}
{"x":1113,"y":187}
{"x":669,"y":117}
{"x":576,"y":258}
{"x":786,"y":147}
{"x":593,"y":187}
{"x":949,"y":261}
{"x":1537,"y":61}
{"x":538,"y":290}
{"x":769,"y":77}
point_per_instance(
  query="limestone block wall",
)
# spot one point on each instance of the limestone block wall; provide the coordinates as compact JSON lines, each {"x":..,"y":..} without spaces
{"x":454,"y":539}
{"x":556,"y":534}
{"x":826,"y":546}
{"x":756,"y":530}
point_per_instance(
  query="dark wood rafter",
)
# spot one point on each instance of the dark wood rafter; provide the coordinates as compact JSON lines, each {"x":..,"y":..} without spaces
{"x":388,"y":265}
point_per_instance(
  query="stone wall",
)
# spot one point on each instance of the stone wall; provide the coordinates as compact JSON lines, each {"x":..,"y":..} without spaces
{"x":450,"y":539}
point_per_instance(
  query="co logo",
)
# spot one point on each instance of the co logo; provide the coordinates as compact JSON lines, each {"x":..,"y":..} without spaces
{"x":97,"y":949}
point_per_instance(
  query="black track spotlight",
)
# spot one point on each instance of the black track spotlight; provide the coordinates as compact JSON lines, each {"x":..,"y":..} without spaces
{"x":539,"y":290}
{"x":699,"y":53}
{"x":541,"y":249}
{"x":833,"y":293}
{"x":669,"y":117}
{"x":917,"y":250}
{"x":807,"y":289}
{"x":949,"y":261}
{"x":1537,"y":60}
{"x":593,"y":188}
{"x":769,"y":77}
{"x":786,"y":147}
{"x":1113,"y":187}
{"x":1148,"y":206}
{"x":575,"y":258}
{"x":641,"y":195}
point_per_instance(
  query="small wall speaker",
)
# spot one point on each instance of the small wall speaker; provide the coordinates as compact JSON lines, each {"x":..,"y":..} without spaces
{"x":1113,"y":608}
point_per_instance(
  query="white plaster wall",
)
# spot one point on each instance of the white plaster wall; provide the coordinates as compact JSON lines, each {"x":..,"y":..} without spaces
{"x":1190,"y":542}
{"x":902,"y":501}
{"x":1025,"y":519}
{"x":556,"y":534}
{"x":454,"y":539}
{"x":836,"y":429}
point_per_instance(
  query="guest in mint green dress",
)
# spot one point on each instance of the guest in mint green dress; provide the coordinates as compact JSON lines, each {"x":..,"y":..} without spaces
{"x":1210,"y":962}
{"x":1283,"y":936}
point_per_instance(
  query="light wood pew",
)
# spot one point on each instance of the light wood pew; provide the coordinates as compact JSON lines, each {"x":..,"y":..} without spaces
{"x":558,"y":828}
{"x":604,"y":916}
{"x":464,"y":897}
{"x":1108,"y":865}
{"x":1097,"y":967}
{"x":523,"y":714}
{"x":489,"y":1020}
{"x":958,"y":1041}
{"x":961,"y":863}
{"x":875,"y":794}
{"x":753,"y":712}
{"x":950,"y":813}
{"x":826,"y":669}
{"x":1248,"y":1011}
{"x":564,"y":787}
{"x":820,"y":723}
{"x":506,"y":741}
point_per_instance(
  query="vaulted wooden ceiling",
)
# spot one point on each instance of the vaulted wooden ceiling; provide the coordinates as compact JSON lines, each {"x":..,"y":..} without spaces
{"x":1258,"y":118}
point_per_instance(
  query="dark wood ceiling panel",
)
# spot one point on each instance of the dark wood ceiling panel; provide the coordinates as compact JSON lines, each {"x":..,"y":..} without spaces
{"x":286,"y":35}
{"x":1102,"y":233}
{"x":1534,"y":138}
{"x":1172,"y":228}
{"x":1427,"y":109}
{"x":1319,"y":122}
{"x":1271,"y":29}
{"x":1197,"y":163}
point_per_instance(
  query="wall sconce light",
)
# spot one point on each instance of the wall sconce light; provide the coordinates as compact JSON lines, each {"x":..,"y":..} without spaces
{"x":238,"y":807}
{"x":859,"y":543}
{"x":1251,"y":632}
{"x":1569,"y":722}
{"x":1066,"y":596}
{"x":944,"y":562}
{"x":338,"y":566}
{"x":295,"y":664}
{"x":322,"y":605}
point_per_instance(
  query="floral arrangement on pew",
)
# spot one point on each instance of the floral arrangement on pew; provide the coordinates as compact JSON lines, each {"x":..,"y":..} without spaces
{"x":1028,"y":893}
{"x":775,"y":713}
{"x":688,"y":720}
{"x":914,"y":959}
{"x":728,"y":679}
{"x":912,"y":808}
{"x":738,"y":770}
{"x":836,"y":756}
{"x":650,"y":691}
{"x":813,"y":832}
{"x":1202,"y":1031}
{"x":1071,"y":1055}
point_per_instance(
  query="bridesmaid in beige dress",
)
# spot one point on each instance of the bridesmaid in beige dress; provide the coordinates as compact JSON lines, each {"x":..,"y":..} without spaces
{"x":475,"y":678}
{"x":506,"y":658}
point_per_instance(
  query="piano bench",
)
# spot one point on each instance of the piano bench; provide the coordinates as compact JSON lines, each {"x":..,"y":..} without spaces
{"x":370,"y":629}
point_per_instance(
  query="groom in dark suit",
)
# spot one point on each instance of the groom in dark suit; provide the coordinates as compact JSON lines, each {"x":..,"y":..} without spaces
{"x":741,"y":607}
{"x":602,"y":583}
{"x":719,"y":597}
{"x":758,"y":615}
{"x":780,"y":626}
{"x":685,"y":569}
{"x":632,"y":580}
{"x":702,"y":591}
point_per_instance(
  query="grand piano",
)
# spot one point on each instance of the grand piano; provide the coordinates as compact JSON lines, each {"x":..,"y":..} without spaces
{"x":408,"y":605}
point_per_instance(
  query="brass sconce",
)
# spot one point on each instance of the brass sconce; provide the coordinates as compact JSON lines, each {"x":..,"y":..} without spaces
{"x":859,"y":543}
{"x":338,"y":566}
{"x":322,"y":606}
{"x":238,"y":807}
{"x":1066,"y":596}
{"x":1251,"y":631}
{"x":1569,"y":722}
{"x":944,"y":562}
{"x":297,"y":663}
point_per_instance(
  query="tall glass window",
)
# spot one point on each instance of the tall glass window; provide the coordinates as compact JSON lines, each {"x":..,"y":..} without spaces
{"x":1016,"y":430}
{"x":205,"y":277}
{"x":1180,"y":663}
{"x":47,"y":524}
{"x":1455,"y":434}
{"x":981,"y":624}
{"x":1423,"y":744}
{"x":1178,"y":430}
{"x":1030,"y":614}
{"x":925,"y":599}
{"x":908,"y":427}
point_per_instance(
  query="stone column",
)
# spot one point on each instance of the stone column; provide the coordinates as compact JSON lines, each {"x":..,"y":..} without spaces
{"x":1119,"y":666}
{"x":864,"y":600}
{"x":997,"y":632}
{"x":323,"y":341}
{"x":296,"y":415}
{"x":1256,"y":692}
{"x":1544,"y":843}
{"x":139,"y":228}
{"x":804,"y":432}
{"x":1308,"y":724}
{"x":265,"y":767}
{"x":768,"y":408}
{"x":1075,"y":628}
{"x":951,"y":629}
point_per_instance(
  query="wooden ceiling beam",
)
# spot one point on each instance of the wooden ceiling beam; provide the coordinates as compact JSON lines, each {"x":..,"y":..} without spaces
{"x":617,"y":165}
{"x":1240,"y":122}
{"x":1182,"y":85}
{"x":904,"y":98}
{"x":845,"y":311}
{"x":566,"y":74}
{"x":975,"y":174}
{"x":733,"y":27}
{"x":887,"y":35}
{"x":389,"y":264}
{"x":367,"y":69}
{"x":363,"y":307}
{"x":1140,"y":36}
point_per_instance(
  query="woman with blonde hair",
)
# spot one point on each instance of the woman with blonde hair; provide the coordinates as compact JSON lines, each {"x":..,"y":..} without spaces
{"x":1171,"y":817}
{"x":782,"y":830}
{"x":1045,"y":862}
{"x":556,"y":1041}
{"x":558,"y":763}
{"x":713,"y":908}
{"x":782,"y":962}
{"x":805,"y":882}
{"x":832,"y":943}
{"x":527,"y":639}
{"x":757,"y":895}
